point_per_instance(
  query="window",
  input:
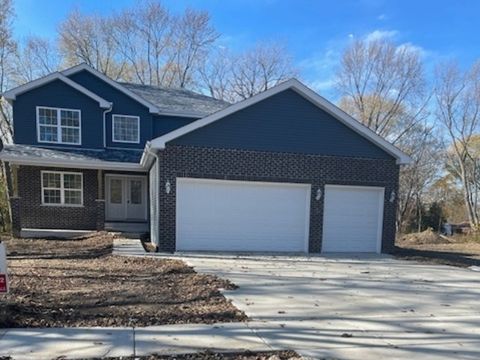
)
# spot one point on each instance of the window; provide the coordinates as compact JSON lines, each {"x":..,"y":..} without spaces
{"x":62,"y":188}
{"x":126,"y":129}
{"x":55,"y":125}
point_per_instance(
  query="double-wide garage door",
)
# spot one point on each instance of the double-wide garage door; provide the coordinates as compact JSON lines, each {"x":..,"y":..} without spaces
{"x":223,"y":215}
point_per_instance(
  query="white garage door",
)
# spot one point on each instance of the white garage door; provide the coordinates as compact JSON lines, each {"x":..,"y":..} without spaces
{"x":221,"y":215}
{"x":352,"y":220}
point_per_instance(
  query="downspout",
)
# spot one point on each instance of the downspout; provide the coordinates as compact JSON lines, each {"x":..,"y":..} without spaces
{"x":149,"y":152}
{"x":105,"y":125}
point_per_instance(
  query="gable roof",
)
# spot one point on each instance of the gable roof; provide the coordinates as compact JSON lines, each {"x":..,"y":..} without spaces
{"x":84,"y":67}
{"x":304,"y":91}
{"x":12,"y":94}
{"x":174,"y":101}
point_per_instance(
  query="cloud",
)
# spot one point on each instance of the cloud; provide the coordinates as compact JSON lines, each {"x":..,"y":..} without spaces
{"x":382,"y":17}
{"x":320,"y":68}
{"x":381,"y":34}
{"x":322,"y":86}
{"x":408,"y":46}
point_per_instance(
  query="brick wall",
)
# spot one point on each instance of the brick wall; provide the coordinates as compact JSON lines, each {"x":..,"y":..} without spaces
{"x":317,"y":170}
{"x":36,"y":215}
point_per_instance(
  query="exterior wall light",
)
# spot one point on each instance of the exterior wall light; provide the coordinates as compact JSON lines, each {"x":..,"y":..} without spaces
{"x":392,"y":196}
{"x":319,"y":195}
{"x":168,"y":187}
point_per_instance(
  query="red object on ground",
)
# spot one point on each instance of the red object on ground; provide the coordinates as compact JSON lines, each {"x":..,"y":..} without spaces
{"x":3,"y":283}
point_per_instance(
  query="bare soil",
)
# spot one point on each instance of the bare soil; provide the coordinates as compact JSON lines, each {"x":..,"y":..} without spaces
{"x":247,"y":355}
{"x":429,"y":247}
{"x":69,"y":283}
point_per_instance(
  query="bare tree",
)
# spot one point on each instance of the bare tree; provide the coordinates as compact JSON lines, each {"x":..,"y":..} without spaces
{"x":193,"y":35}
{"x":260,"y":68}
{"x":36,"y":57}
{"x":383,"y":86}
{"x":88,"y":38}
{"x":216,"y":75}
{"x":458,"y":109}
{"x":143,"y":36}
{"x":417,"y":178}
{"x":8,"y":48}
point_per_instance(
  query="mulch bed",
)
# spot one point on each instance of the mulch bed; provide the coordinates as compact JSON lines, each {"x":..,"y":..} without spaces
{"x":247,"y":355}
{"x":70,"y":283}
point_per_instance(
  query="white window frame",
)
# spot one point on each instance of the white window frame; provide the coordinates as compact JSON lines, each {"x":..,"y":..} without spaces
{"x":59,"y":126}
{"x":125,"y":141}
{"x":62,"y":188}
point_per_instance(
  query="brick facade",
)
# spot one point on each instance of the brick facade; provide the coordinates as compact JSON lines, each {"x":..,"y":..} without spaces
{"x":317,"y":170}
{"x":37,"y":216}
{"x":28,"y":211}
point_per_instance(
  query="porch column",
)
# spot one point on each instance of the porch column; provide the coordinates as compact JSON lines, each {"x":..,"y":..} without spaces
{"x":15,"y":203}
{"x":100,"y":201}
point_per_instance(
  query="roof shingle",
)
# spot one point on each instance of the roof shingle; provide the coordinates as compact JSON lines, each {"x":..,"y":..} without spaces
{"x":181,"y":101}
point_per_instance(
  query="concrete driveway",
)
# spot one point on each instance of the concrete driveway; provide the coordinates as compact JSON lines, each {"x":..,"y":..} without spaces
{"x":355,"y":308}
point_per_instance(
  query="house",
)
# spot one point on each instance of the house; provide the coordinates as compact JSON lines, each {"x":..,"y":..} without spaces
{"x":284,"y":171}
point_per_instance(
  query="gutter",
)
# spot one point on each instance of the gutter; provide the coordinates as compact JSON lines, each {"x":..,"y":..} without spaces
{"x":145,"y":160}
{"x":105,"y":165}
{"x":105,"y":125}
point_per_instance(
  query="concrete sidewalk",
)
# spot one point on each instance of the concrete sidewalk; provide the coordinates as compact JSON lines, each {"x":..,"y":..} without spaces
{"x":71,"y":343}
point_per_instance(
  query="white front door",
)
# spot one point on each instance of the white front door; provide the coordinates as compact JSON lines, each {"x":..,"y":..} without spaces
{"x":126,"y":198}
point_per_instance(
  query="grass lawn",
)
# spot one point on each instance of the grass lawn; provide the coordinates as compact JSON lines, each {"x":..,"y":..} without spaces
{"x":63,"y":283}
{"x":428,"y":247}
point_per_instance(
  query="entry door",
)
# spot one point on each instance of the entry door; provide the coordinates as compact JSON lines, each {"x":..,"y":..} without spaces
{"x":126,"y":198}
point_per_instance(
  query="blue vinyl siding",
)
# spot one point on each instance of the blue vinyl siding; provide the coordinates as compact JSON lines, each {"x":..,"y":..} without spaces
{"x":165,"y":124}
{"x":60,"y":95}
{"x":122,"y":105}
{"x":285,"y":122}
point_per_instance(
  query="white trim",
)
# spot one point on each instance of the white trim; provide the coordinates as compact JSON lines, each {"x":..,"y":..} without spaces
{"x":151,"y":107}
{"x":12,"y":94}
{"x":297,"y":86}
{"x":59,"y":125}
{"x":61,"y":188}
{"x":307,"y":186}
{"x":381,"y":207}
{"x":76,"y":164}
{"x":138,"y":130}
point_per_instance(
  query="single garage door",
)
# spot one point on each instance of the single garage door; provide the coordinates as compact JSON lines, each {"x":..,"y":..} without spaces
{"x":352,"y":219}
{"x":223,"y":215}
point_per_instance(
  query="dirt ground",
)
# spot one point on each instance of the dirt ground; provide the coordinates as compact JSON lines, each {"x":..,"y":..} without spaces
{"x":429,"y":247}
{"x":63,"y":283}
{"x":267,"y":355}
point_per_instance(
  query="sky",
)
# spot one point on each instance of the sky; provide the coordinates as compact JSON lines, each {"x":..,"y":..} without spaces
{"x":314,"y":31}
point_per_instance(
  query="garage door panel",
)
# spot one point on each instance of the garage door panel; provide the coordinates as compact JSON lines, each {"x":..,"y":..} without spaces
{"x":352,"y":219}
{"x":221,"y":215}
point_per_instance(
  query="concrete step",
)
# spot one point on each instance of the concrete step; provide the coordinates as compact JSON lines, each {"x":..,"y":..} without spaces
{"x":127,"y":227}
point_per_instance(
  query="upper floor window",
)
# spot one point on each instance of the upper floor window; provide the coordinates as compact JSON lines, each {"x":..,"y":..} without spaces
{"x":56,"y":125}
{"x":126,"y":129}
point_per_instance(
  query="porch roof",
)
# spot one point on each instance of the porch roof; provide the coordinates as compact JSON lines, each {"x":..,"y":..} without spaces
{"x":108,"y":159}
